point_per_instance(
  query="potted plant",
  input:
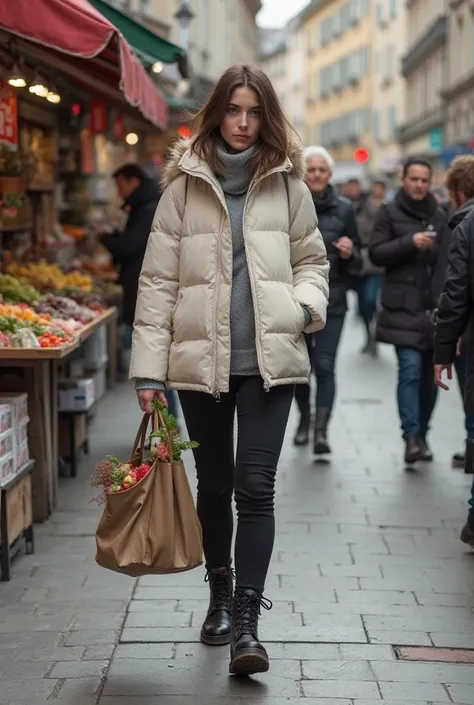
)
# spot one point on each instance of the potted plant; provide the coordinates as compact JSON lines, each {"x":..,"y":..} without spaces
{"x":15,"y":171}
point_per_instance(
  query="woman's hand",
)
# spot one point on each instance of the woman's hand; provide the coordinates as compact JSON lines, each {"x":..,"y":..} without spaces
{"x":146,"y":396}
{"x":344,"y":246}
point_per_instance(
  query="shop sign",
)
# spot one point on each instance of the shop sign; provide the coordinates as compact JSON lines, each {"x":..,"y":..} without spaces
{"x":98,"y":116}
{"x":435,"y":140}
{"x":118,"y":127}
{"x":8,"y":116}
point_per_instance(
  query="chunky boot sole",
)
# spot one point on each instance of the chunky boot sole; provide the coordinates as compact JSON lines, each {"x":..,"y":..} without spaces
{"x":301,"y":440}
{"x":249,"y":661}
{"x":221,"y":640}
{"x":322,"y":448}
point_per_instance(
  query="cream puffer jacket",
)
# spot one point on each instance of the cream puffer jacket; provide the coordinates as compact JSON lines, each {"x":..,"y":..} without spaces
{"x":182,"y":321}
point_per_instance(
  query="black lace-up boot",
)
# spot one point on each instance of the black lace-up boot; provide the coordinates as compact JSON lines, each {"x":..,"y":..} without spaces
{"x":217,"y":626}
{"x":247,"y":654}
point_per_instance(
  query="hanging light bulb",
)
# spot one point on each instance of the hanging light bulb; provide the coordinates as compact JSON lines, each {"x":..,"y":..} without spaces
{"x":131,"y":138}
{"x":16,"y":77}
{"x":53,"y":96}
{"x":157,"y":67}
{"x":38,"y":87}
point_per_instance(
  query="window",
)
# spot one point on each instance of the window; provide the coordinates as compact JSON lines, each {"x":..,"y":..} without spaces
{"x":472,"y":38}
{"x":363,"y":60}
{"x":393,"y":8}
{"x":363,"y":8}
{"x":144,"y":7}
{"x":460,"y":47}
{"x":345,"y":17}
{"x":392,"y":120}
{"x":379,"y":14}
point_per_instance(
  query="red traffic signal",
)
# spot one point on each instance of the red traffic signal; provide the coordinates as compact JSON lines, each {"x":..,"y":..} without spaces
{"x":360,"y":155}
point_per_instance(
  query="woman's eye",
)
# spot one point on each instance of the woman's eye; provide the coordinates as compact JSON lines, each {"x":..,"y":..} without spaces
{"x":255,"y":113}
{"x":232,"y":110}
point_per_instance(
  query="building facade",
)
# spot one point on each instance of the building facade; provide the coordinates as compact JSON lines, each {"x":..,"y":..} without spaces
{"x":459,"y":89}
{"x":338,"y":37}
{"x":424,"y":67}
{"x":221,"y":32}
{"x":388,"y":85}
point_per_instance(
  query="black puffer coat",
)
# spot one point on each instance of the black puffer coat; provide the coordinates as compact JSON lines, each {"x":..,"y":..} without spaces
{"x":413,"y":277}
{"x":128,"y":247}
{"x":336,"y":218}
{"x":456,"y":307}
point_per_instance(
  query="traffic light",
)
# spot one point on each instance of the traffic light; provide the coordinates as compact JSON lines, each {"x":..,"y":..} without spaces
{"x":360,"y":155}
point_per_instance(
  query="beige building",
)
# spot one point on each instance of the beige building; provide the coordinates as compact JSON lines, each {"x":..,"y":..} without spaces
{"x":338,"y":38}
{"x":388,"y":85}
{"x":424,"y":68}
{"x":459,"y":89}
{"x":221,"y":32}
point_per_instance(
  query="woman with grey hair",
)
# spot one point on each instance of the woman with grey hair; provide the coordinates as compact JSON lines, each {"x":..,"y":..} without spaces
{"x":338,"y":227}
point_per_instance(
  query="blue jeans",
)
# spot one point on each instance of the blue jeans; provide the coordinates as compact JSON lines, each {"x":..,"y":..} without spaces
{"x":416,"y":393}
{"x":471,"y":498}
{"x":326,"y":343}
{"x":460,"y":365}
{"x":368,"y":288}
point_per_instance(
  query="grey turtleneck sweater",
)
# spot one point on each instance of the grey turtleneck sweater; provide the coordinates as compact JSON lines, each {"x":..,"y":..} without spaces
{"x":235,"y":181}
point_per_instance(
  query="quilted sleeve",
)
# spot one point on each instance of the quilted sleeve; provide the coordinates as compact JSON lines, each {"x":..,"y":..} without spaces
{"x":158,"y":289}
{"x":308,"y":257}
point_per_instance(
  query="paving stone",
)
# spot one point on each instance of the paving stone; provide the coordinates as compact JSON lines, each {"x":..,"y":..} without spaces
{"x":180,"y":677}
{"x":73,"y":689}
{"x":26,"y":655}
{"x":415,"y":692}
{"x":373,"y":597}
{"x":460,"y":694}
{"x":88,"y":637}
{"x":366,"y":652}
{"x":100,"y":652}
{"x":150,"y":651}
{"x":453,"y":641}
{"x":33,"y":689}
{"x":160,"y":605}
{"x":340,"y":689}
{"x":23,"y":669}
{"x":78,"y":669}
{"x":248,"y":699}
{"x":34,"y":640}
{"x":158,"y":619}
{"x":401,"y":638}
{"x":338,"y":670}
{"x":404,"y":671}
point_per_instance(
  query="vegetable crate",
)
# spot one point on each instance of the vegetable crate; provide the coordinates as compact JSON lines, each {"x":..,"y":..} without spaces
{"x":16,"y":519}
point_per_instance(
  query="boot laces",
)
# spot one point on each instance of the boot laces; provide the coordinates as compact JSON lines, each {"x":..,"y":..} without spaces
{"x":249,"y":608}
{"x":221,"y":589}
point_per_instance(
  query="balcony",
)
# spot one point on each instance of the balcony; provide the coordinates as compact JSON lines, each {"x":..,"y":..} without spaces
{"x":435,"y":36}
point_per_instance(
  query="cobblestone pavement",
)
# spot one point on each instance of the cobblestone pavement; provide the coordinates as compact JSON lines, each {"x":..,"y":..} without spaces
{"x":367,"y":558}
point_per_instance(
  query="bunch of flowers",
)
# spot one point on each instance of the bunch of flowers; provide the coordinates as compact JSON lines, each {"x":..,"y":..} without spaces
{"x":112,"y":476}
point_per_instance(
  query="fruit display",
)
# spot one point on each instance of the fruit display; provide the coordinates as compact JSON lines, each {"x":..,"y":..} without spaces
{"x":65,"y":308}
{"x":21,"y":327}
{"x":46,"y":277}
{"x":14,"y":291}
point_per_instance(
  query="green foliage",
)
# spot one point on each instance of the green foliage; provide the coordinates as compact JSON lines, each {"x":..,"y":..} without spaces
{"x":168,"y":433}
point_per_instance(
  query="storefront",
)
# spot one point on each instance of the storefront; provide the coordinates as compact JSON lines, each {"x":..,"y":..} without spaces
{"x":75,"y":104}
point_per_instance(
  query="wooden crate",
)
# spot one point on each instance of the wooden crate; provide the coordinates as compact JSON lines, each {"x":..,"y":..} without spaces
{"x":16,"y":517}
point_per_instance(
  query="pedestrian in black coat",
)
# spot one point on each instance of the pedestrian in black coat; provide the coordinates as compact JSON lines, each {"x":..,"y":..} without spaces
{"x":140,"y":196}
{"x":454,"y":317}
{"x":337,"y":224}
{"x":409,"y":234}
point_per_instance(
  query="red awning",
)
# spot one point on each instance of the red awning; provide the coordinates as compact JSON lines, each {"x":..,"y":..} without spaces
{"x":76,"y":29}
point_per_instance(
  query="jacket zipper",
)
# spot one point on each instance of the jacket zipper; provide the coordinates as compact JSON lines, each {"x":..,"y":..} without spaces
{"x":216,"y":393}
{"x":266,"y":383}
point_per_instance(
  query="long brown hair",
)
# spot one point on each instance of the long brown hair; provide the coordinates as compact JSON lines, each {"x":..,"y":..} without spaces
{"x":272,"y":147}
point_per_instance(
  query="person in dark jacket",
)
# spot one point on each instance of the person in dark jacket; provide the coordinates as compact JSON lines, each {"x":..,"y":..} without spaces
{"x":140,"y":198}
{"x":338,"y":227}
{"x":408,"y":235}
{"x":369,"y":280}
{"x":454,"y":317}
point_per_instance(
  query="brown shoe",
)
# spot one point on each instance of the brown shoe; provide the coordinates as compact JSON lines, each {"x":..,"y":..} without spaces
{"x":412,"y":451}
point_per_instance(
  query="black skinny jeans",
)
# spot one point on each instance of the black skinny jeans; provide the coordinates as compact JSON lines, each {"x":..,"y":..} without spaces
{"x":261,"y":423}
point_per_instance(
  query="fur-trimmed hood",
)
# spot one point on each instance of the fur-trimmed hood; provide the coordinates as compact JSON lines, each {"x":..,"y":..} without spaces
{"x":183,"y":160}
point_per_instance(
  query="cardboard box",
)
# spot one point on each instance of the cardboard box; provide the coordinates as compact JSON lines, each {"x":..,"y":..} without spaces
{"x":6,"y":443}
{"x":21,"y":431}
{"x":19,"y":508}
{"x":21,"y":456}
{"x":19,"y":406}
{"x":7,"y":469}
{"x":76,"y":394}
{"x":6,"y":417}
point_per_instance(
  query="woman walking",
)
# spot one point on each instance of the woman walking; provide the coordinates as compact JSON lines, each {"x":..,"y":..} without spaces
{"x":338,"y":227}
{"x":235,"y":271}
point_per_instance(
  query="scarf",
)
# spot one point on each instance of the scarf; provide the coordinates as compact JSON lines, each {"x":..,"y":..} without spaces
{"x":322,"y":203}
{"x":422,"y":210}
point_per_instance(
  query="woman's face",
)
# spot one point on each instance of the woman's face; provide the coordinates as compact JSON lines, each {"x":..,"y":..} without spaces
{"x":317,"y":174}
{"x":240,"y":128}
